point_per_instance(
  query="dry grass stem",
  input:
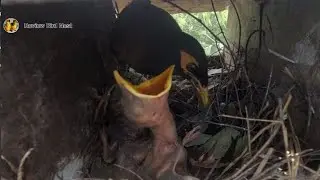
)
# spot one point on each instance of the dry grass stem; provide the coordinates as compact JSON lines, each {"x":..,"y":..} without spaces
{"x":10,"y":164}
{"x":20,"y":174}
{"x":263,"y":162}
{"x":130,"y":171}
{"x":262,"y":148}
{"x":248,"y":131}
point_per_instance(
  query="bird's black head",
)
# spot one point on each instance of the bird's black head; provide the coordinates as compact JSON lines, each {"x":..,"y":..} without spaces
{"x":194,"y":65}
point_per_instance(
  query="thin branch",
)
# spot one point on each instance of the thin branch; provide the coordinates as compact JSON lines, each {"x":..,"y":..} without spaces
{"x":245,"y":150}
{"x":199,"y":21}
{"x":257,"y":154}
{"x":248,"y":132}
{"x":280,"y":56}
{"x":22,"y":162}
{"x":219,"y":25}
{"x":263,"y":162}
{"x":13,"y":168}
{"x":249,"y":119}
{"x":267,"y":92}
{"x":212,"y":169}
{"x":135,"y":174}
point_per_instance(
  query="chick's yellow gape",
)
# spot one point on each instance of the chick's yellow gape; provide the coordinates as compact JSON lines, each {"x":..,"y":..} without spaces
{"x":152,"y":88}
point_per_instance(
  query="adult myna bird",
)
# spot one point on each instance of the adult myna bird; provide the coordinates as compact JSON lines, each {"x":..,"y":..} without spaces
{"x":149,"y":40}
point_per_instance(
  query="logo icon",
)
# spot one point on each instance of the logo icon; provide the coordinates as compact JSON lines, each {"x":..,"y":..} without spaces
{"x":11,"y":25}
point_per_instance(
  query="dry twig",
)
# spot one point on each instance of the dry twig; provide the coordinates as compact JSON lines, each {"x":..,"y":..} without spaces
{"x":21,"y":164}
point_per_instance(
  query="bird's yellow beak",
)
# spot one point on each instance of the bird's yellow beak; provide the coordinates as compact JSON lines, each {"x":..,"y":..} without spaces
{"x":203,"y":96}
{"x":150,"y":89}
{"x":185,"y":60}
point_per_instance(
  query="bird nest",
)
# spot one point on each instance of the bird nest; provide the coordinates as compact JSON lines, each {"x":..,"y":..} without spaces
{"x":252,"y":130}
{"x":247,"y":133}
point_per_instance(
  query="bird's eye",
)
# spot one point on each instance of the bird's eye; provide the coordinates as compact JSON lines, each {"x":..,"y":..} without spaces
{"x":191,"y":67}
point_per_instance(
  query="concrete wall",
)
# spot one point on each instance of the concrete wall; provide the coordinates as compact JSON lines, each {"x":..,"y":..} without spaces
{"x":294,"y":33}
{"x":290,"y":21}
{"x":47,"y":74}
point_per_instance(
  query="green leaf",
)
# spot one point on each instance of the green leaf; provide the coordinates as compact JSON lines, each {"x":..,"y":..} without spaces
{"x":219,"y":144}
{"x":200,"y":140}
{"x":242,"y":143}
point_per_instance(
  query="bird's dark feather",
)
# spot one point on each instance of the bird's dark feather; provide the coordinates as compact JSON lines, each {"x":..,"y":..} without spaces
{"x":149,"y":40}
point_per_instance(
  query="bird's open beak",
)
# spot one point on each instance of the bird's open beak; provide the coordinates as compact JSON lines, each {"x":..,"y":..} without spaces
{"x":146,"y":104}
{"x":150,"y":89}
